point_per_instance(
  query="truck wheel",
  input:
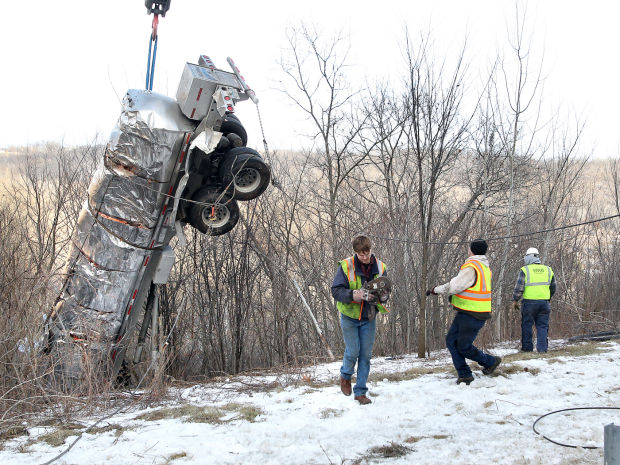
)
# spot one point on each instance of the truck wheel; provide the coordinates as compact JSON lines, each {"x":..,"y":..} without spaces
{"x":244,"y":174}
{"x":232,"y":124}
{"x":216,"y":214}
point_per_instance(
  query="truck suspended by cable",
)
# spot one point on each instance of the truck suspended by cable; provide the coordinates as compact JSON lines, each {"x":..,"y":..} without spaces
{"x":169,"y":162}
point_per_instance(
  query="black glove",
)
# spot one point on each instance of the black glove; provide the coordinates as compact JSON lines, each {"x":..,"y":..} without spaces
{"x":431,"y":291}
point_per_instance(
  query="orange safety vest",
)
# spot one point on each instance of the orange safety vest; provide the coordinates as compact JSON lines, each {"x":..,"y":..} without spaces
{"x":477,"y":298}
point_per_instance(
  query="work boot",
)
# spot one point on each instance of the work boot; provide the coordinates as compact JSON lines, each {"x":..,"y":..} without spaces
{"x":345,"y":386}
{"x":465,"y":379}
{"x":489,"y":370}
{"x":363,"y":399}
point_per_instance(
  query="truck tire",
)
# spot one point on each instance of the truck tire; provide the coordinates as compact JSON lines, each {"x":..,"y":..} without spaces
{"x":216,"y":214}
{"x":244,"y":174}
{"x":232,"y":124}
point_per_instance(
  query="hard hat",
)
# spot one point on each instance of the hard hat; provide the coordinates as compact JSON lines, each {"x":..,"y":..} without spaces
{"x":532,"y":251}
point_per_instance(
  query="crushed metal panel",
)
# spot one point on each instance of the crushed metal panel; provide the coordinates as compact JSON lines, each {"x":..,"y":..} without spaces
{"x":115,"y":232}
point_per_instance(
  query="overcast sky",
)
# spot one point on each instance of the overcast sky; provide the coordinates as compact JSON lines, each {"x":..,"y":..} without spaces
{"x":67,"y":64}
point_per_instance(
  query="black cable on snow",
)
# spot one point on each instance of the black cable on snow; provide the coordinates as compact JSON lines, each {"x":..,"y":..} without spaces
{"x":599,"y":336}
{"x":567,"y":410}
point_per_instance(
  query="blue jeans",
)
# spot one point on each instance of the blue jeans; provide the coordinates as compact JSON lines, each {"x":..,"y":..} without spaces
{"x":534,"y":312}
{"x":460,"y":343}
{"x":359,"y":337}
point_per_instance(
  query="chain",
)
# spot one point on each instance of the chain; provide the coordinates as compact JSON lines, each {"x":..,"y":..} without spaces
{"x":262,"y":130}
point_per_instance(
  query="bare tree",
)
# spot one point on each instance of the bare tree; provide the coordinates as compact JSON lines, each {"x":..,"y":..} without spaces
{"x":436,"y":133}
{"x":317,"y":84}
{"x":520,"y":88}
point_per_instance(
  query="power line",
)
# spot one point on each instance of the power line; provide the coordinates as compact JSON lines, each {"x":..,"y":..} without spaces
{"x":496,"y":238}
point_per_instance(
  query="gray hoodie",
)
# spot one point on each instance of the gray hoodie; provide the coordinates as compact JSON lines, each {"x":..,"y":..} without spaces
{"x":520,"y":284}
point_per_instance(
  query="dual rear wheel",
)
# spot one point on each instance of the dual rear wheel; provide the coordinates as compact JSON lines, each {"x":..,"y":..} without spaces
{"x":214,"y":213}
{"x":242,"y":175}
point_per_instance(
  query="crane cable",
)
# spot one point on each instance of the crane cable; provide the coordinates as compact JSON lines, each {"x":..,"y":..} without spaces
{"x":150,"y":65}
{"x":156,"y":8}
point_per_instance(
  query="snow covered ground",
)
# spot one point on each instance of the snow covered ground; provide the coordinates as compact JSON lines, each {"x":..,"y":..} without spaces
{"x":418,"y":416}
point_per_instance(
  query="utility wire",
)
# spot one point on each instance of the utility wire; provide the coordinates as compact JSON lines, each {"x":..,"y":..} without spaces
{"x":496,"y":238}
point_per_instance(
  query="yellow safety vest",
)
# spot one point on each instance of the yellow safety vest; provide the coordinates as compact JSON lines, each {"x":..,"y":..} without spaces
{"x":354,"y":309}
{"x":477,"y":298}
{"x":537,"y":281}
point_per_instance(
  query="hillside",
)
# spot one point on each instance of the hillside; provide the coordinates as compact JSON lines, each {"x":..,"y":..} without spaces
{"x":418,"y":415}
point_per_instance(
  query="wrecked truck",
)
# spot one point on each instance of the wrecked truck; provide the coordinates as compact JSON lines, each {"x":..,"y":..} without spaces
{"x":169,"y":162}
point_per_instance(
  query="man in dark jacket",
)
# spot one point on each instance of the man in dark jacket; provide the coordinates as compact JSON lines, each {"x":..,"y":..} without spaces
{"x":358,"y":309}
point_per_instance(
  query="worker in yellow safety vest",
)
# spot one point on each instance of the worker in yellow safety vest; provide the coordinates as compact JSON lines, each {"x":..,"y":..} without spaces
{"x":536,"y":285}
{"x":358,"y":309}
{"x":470,"y":292}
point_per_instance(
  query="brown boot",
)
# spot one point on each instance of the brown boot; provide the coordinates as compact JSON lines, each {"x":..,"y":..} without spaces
{"x":363,"y":400}
{"x":345,"y":386}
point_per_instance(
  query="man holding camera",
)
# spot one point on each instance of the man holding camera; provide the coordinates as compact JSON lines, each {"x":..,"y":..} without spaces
{"x":358,"y":307}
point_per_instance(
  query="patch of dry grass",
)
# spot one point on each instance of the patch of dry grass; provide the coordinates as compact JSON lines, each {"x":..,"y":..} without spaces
{"x":171,"y":458}
{"x":12,"y":432}
{"x":209,"y":415}
{"x":314,"y":383}
{"x":330,"y":413}
{"x":232,"y":406}
{"x":553,"y":356}
{"x":194,"y":413}
{"x":576,"y":350}
{"x":197,"y":414}
{"x":249,"y":413}
{"x":514,"y":369}
{"x":110,"y":427}
{"x":411,"y":373}
{"x":160,"y":414}
{"x":390,"y":450}
{"x":413,"y":439}
{"x":57,"y":437}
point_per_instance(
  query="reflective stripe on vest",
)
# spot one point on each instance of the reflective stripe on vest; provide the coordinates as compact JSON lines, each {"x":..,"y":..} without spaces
{"x":537,"y":281}
{"x":476,"y":298}
{"x":354,"y":309}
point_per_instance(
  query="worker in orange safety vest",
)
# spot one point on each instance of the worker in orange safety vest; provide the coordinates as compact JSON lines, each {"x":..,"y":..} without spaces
{"x":470,"y":292}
